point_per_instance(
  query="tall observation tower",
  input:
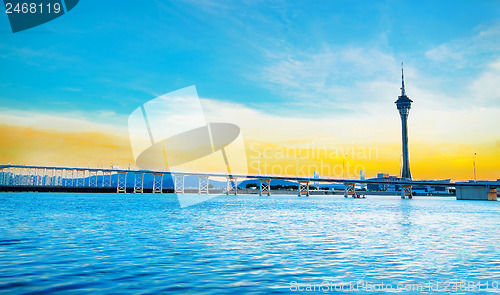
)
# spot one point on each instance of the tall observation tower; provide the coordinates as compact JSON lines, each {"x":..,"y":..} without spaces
{"x":404,"y":104}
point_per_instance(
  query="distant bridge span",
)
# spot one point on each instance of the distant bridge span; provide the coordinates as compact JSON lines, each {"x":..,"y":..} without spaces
{"x":23,"y":175}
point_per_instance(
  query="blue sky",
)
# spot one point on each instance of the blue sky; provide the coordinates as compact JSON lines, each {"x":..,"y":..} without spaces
{"x":112,"y":56}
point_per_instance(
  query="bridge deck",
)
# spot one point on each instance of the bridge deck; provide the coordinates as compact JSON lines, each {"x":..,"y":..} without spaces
{"x":491,"y":184}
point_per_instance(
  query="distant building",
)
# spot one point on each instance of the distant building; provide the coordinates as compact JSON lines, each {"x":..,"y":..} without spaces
{"x":425,"y":189}
{"x":384,"y":187}
{"x":362,"y":177}
{"x":383,"y":175}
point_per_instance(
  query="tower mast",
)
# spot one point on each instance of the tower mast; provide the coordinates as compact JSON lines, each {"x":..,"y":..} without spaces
{"x":403,"y":92}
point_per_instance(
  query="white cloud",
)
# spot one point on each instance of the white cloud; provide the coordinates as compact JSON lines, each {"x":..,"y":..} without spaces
{"x":101,"y":121}
{"x":373,"y":123}
{"x":347,"y":94}
{"x":48,"y":58}
{"x":468,"y":51}
{"x":327,"y":75}
{"x":485,"y":90}
{"x":443,"y":53}
{"x":430,"y":121}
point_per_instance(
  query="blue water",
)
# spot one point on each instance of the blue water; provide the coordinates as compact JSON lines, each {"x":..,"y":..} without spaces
{"x":128,"y":244}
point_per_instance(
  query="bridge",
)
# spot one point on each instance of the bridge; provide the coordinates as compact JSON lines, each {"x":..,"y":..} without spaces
{"x":23,"y":176}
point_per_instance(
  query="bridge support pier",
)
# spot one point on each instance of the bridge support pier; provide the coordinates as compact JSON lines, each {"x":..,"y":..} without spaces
{"x":55,"y":177}
{"x":19,"y":172}
{"x":138,"y":183}
{"x":80,"y":175}
{"x":73,"y":179}
{"x":23,"y":175}
{"x":29,"y":178}
{"x":48,"y":177}
{"x":203,"y":185}
{"x":106,"y":178}
{"x":20,"y":177}
{"x":350,"y":190}
{"x":64,"y":180}
{"x":121,"y":182}
{"x":41,"y":176}
{"x":232,"y":186}
{"x":93,"y":178}
{"x":406,"y":192}
{"x":58,"y":177}
{"x":178,"y":183}
{"x":52,"y":177}
{"x":15,"y":175}
{"x":10,"y":175}
{"x":34,"y":176}
{"x":265,"y":187}
{"x":304,"y":188}
{"x":2,"y":177}
{"x":157,"y":183}
{"x":5,"y":176}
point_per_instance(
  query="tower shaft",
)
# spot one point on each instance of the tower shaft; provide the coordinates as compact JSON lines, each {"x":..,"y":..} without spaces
{"x":406,"y":159}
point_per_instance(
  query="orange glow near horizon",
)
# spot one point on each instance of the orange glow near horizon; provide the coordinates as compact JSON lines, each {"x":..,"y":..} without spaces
{"x":32,"y":146}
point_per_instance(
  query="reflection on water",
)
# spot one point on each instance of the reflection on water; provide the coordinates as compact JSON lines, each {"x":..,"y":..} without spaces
{"x":102,"y":243}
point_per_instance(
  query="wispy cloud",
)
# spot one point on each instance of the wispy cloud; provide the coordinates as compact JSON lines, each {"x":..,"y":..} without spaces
{"x":102,"y":121}
{"x":348,"y":80}
{"x":485,"y":89}
{"x":71,"y":89}
{"x":332,"y":75}
{"x":429,"y":122}
{"x":50,"y":58}
{"x":469,"y":51}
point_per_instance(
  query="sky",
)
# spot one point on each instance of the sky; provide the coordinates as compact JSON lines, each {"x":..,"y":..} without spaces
{"x":315,"y":79}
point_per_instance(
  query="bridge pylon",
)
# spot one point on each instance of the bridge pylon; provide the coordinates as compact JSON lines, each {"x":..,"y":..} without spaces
{"x":304,"y":188}
{"x":178,"y":183}
{"x":232,"y":186}
{"x":80,"y":175}
{"x":350,"y":190}
{"x":203,"y":183}
{"x":138,"y":183}
{"x":265,"y":187}
{"x":93,"y":178}
{"x":406,"y":192}
{"x":157,"y":183}
{"x":106,"y":178}
{"x":121,"y":182}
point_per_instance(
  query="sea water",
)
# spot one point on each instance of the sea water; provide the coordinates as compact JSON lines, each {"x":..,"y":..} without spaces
{"x":147,"y":243}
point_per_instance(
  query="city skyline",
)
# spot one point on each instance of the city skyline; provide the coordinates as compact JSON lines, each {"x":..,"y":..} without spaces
{"x":291,"y":75}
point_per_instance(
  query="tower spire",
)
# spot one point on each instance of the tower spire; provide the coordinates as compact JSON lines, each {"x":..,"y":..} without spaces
{"x":403,"y":92}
